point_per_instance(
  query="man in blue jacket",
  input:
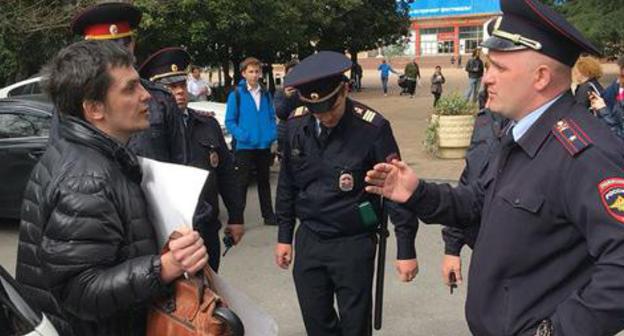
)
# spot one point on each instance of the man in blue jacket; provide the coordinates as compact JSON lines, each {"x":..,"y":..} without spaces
{"x":250,"y":118}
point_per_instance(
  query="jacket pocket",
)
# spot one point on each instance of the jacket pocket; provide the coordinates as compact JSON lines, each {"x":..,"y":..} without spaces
{"x":523,"y":200}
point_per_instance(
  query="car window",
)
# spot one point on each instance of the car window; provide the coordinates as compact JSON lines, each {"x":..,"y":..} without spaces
{"x":19,"y":125}
{"x":28,"y":89}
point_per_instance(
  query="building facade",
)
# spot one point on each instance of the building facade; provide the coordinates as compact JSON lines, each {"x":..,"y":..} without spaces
{"x":449,"y":27}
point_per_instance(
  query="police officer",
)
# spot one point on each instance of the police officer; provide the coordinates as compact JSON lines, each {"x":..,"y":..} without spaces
{"x":330,"y":143}
{"x":489,"y":128}
{"x":206,"y":150}
{"x":116,"y":21}
{"x":549,"y":257}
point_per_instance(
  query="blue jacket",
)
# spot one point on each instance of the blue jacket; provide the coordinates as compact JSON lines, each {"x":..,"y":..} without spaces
{"x":610,"y":94}
{"x":251,"y":128}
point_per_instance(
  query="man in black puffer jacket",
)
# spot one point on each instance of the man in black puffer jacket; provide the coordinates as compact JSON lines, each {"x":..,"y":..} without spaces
{"x":87,"y":254}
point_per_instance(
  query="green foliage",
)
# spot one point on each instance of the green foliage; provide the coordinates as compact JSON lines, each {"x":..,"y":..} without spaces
{"x":455,"y":104}
{"x":599,"y":20}
{"x":215,"y":32}
{"x":431,"y":137}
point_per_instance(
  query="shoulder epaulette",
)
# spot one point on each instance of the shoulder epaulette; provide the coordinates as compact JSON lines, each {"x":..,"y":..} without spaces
{"x":367,"y":114}
{"x":571,"y":136}
{"x":299,"y":112}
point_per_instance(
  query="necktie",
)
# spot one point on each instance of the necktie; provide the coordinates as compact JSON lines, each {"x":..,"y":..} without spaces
{"x":323,"y":135}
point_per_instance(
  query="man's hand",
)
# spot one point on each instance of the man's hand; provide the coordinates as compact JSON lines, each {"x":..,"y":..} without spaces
{"x":237,"y":231}
{"x":283,"y":255}
{"x":451,"y":264}
{"x":395,"y":181}
{"x":187,"y":253}
{"x":406,"y":269}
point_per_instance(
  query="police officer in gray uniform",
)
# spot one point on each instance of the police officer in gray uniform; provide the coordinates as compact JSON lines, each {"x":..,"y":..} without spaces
{"x":330,"y":143}
{"x":549,"y":257}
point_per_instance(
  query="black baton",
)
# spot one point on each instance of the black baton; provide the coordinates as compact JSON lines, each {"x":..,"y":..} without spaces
{"x":381,"y":266}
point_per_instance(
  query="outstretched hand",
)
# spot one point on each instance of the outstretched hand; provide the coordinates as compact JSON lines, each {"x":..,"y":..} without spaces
{"x":395,"y":181}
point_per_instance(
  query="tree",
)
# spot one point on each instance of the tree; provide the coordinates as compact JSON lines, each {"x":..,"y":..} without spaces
{"x":357,"y":25}
{"x":31,"y":32}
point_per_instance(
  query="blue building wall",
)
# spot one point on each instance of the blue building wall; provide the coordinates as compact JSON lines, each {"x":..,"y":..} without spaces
{"x":421,"y":9}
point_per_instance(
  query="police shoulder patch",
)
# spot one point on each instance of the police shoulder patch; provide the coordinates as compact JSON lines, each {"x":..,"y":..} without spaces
{"x":299,"y":112}
{"x":571,"y":136}
{"x":367,"y":114}
{"x":611,"y":192}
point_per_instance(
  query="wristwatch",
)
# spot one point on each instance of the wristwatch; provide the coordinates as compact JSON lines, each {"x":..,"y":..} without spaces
{"x":545,"y":328}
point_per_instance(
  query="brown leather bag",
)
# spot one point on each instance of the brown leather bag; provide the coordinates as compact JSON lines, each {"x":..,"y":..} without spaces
{"x":193,"y":310}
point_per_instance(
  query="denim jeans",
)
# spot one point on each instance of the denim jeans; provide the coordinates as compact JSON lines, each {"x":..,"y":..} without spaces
{"x":474,"y":84}
{"x":384,"y":84}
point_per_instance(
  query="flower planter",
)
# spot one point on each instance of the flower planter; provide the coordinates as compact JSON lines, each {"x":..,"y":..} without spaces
{"x":453,"y":135}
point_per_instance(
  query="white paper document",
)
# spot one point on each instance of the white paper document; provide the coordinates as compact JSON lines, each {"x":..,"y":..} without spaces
{"x":172,"y":192}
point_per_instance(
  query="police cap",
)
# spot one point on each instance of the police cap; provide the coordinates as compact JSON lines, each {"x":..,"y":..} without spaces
{"x":106,"y":21}
{"x":166,"y":66}
{"x":529,"y":24}
{"x":318,"y":79}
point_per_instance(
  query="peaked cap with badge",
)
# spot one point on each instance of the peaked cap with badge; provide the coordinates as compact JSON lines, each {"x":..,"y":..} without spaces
{"x":107,"y":21}
{"x":166,"y":66}
{"x":529,"y":24}
{"x":318,"y":79}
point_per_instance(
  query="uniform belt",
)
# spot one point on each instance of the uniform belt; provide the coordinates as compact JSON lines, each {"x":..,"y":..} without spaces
{"x":336,"y":239}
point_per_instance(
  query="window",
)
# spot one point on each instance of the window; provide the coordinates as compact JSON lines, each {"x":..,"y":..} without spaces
{"x":19,"y":125}
{"x":28,"y":89}
{"x":470,"y":38}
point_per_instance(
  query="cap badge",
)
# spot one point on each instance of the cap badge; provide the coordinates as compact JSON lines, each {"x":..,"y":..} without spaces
{"x":345,"y":181}
{"x":214,"y":159}
{"x":113,"y":29}
{"x":174,"y":67}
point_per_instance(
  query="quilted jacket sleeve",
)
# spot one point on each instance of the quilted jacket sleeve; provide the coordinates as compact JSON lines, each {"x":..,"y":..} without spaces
{"x":81,"y":254}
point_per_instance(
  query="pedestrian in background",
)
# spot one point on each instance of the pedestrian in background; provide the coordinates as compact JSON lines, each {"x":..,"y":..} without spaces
{"x":356,"y":76}
{"x":385,"y":69}
{"x":412,"y":76}
{"x":250,"y":118}
{"x":437,"y":79}
{"x":615,"y":92}
{"x":475,"y":69}
{"x":585,"y":75}
{"x":197,"y":88}
{"x":285,"y":102}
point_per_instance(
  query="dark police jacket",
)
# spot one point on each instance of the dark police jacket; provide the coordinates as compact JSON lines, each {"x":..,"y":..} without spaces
{"x":308,"y":186}
{"x":484,"y":144}
{"x":551,"y":243}
{"x":208,"y":150}
{"x":164,"y":140}
{"x":87,"y":254}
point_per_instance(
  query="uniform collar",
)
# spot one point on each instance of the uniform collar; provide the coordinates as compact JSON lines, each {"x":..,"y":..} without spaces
{"x":531,"y":139}
{"x":522,"y":126}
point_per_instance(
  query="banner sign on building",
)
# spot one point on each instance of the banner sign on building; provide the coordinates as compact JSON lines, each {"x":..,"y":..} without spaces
{"x":441,"y":8}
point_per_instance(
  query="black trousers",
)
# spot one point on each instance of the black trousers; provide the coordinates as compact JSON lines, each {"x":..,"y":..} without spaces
{"x":260,"y":159}
{"x":342,"y":267}
{"x":436,"y":97}
{"x":411,"y":86}
{"x":210,"y":234}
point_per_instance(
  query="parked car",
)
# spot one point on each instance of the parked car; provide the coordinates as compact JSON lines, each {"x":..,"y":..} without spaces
{"x":29,"y":86}
{"x":17,"y":318}
{"x":217,"y":110}
{"x":24,"y":129}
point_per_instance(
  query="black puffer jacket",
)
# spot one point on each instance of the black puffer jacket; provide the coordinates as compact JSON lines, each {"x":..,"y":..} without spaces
{"x":87,"y":254}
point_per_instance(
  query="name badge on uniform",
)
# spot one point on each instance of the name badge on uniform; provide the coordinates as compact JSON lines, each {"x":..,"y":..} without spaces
{"x":345,"y":181}
{"x":214,"y":159}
